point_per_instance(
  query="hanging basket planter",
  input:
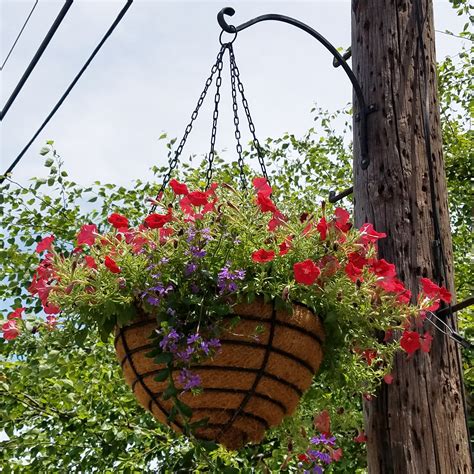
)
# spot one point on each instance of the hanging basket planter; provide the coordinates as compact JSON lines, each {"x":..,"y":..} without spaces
{"x":200,"y":351}
{"x":248,"y":386}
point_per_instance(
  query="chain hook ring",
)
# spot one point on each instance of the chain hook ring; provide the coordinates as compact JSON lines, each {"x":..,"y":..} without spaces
{"x":227,"y":42}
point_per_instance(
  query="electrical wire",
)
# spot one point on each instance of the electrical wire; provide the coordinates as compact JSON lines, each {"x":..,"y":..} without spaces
{"x":36,"y":57}
{"x":68,"y":90}
{"x":19,"y":34}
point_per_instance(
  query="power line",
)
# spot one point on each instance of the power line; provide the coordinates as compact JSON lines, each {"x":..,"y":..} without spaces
{"x":19,"y":34}
{"x":68,"y":90}
{"x":37,"y":56}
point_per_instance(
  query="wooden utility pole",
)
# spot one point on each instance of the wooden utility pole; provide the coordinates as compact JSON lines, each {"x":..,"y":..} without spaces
{"x":417,"y":424}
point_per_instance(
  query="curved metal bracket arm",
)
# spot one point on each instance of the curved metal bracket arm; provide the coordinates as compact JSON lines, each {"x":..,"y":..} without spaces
{"x":363,"y":109}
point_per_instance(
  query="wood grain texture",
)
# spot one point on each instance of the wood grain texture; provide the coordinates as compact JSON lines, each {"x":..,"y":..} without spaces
{"x":417,"y":424}
{"x":249,"y":386}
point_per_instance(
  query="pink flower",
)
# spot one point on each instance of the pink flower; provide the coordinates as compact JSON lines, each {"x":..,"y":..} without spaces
{"x":45,"y":244}
{"x":87,"y":234}
{"x":10,"y":330}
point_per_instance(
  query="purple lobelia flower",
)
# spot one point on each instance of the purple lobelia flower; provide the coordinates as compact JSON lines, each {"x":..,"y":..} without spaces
{"x":189,"y":269}
{"x":185,"y":356}
{"x":323,"y":439}
{"x":169,"y":341}
{"x":226,"y":279}
{"x":188,"y":380}
{"x":193,"y":338}
{"x":318,"y":455}
{"x":197,"y":252}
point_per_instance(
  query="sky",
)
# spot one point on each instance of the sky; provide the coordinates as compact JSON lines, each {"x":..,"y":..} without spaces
{"x":149,"y":74}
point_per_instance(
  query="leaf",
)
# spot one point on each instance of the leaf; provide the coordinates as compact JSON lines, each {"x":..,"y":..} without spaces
{"x":162,"y":375}
{"x":163,"y":358}
{"x":171,"y":391}
{"x":183,"y":408}
{"x":44,"y":151}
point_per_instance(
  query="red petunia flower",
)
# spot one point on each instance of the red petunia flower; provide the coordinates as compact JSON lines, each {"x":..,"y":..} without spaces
{"x":263,"y":256}
{"x":303,"y":458}
{"x":276,"y":221}
{"x":156,"y":221}
{"x":388,"y":378}
{"x":87,"y":234}
{"x":16,"y":314}
{"x":322,"y":422}
{"x":432,"y":290}
{"x":306,"y":272}
{"x":179,"y":188}
{"x":90,"y":262}
{"x":425,"y":342}
{"x":261,"y":186}
{"x":357,"y":259}
{"x":45,"y":244}
{"x":111,"y":265}
{"x":342,"y":219}
{"x":337,"y":454}
{"x":361,"y":437}
{"x":10,"y":330}
{"x":285,"y":246}
{"x":118,"y":221}
{"x":322,"y":227}
{"x":49,"y":308}
{"x":410,"y":341}
{"x":329,"y":265}
{"x":369,"y":355}
{"x":382,"y":268}
{"x":369,"y":234}
{"x":353,"y":272}
{"x":265,"y":203}
{"x":198,"y":198}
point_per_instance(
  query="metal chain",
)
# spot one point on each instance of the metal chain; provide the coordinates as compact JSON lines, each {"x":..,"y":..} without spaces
{"x":237,"y":134}
{"x":173,"y":162}
{"x":215,"y":116}
{"x":245,"y":104}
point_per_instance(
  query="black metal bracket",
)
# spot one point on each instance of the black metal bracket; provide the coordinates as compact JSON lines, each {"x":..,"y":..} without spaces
{"x":363,"y":109}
